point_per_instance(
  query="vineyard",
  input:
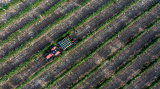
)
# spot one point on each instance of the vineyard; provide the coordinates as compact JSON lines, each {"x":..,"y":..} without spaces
{"x":118,"y":44}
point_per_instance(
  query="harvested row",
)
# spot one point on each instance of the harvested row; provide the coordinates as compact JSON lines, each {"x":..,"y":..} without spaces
{"x":146,"y":78}
{"x":26,"y":18}
{"x":85,"y":67}
{"x":129,"y":52}
{"x":70,"y":59}
{"x":51,"y":35}
{"x":15,"y":10}
{"x":37,"y":27}
{"x":33,"y":65}
{"x":135,"y":27}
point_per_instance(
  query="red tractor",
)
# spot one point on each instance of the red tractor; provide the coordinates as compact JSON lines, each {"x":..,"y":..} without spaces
{"x":54,"y":52}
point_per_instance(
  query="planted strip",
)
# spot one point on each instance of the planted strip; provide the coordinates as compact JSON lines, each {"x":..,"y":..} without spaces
{"x":56,"y":63}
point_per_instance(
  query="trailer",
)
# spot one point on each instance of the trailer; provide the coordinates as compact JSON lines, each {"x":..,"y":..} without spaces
{"x":67,"y":42}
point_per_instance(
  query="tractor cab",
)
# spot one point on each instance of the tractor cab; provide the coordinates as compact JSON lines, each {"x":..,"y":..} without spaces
{"x":52,"y":54}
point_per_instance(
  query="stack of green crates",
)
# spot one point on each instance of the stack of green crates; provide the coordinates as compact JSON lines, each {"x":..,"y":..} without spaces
{"x":65,"y":43}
